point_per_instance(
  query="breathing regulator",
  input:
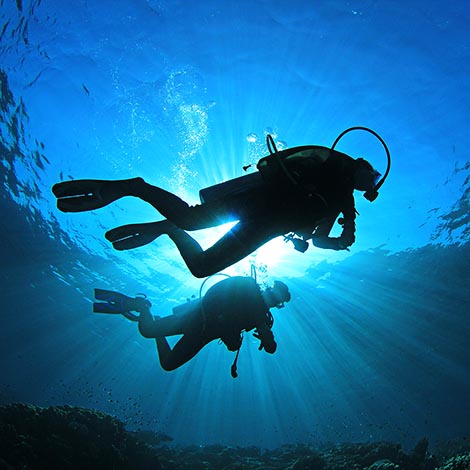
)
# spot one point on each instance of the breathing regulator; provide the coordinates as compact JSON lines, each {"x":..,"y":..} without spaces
{"x":371,"y":195}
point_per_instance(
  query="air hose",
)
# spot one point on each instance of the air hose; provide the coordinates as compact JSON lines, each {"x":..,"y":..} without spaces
{"x":389,"y":159}
{"x":273,"y":151}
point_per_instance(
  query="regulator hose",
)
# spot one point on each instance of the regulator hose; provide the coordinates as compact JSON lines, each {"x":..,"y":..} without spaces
{"x":389,"y":159}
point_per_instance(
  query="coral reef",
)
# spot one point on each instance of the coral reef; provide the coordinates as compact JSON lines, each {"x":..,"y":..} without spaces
{"x":68,"y":437}
{"x":75,"y":438}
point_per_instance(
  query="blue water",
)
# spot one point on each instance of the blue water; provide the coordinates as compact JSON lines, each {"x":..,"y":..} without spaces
{"x":374,"y":344}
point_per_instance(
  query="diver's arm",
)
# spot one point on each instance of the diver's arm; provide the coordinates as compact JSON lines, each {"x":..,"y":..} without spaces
{"x":321,"y":238}
{"x":266,"y":337}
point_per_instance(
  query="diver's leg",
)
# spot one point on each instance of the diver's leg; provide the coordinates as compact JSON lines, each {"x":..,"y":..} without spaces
{"x":153,"y":327}
{"x":184,"y":350}
{"x":180,"y":212}
{"x":239,"y":242}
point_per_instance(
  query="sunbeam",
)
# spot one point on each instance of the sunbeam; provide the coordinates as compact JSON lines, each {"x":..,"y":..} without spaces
{"x":373,"y":344}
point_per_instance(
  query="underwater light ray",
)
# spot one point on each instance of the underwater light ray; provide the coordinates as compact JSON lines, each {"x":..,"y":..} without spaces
{"x":404,"y":338}
{"x":350,"y":356}
{"x":383,"y":347}
{"x":210,"y":383}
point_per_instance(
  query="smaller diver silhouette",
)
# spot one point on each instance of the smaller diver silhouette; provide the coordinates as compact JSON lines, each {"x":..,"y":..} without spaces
{"x":229,"y":308}
{"x":300,"y":191}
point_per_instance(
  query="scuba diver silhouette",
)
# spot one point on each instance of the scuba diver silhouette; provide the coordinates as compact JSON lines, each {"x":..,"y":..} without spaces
{"x":300,"y":192}
{"x":228,"y":308}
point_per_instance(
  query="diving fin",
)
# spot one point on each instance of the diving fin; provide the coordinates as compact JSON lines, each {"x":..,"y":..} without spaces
{"x":131,"y":236}
{"x":116,"y":303}
{"x":88,"y":195}
{"x":113,"y":302}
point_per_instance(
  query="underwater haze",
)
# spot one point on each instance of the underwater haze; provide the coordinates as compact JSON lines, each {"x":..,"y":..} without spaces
{"x":374,"y":344}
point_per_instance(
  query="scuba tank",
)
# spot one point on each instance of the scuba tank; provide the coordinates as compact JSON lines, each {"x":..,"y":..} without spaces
{"x":230,"y":188}
{"x":271,"y":170}
{"x":188,"y":307}
{"x":274,"y":167}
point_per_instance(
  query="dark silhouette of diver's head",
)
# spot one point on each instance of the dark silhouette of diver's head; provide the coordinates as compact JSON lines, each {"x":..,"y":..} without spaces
{"x":365,"y":175}
{"x":276,"y":295}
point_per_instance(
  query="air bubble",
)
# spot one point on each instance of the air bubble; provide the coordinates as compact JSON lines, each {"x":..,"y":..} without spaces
{"x":271,"y":132}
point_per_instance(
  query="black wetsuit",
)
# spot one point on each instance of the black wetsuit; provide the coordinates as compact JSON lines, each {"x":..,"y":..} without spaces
{"x":333,"y":182}
{"x":228,"y":308}
{"x":234,"y":305}
{"x":263,"y":212}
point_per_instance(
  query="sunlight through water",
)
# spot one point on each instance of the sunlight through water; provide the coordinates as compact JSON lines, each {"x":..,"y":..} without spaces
{"x":373,"y":345}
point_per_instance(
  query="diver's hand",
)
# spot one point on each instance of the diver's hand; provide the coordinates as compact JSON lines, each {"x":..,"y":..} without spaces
{"x":269,"y":345}
{"x":261,"y":344}
{"x":257,"y":336}
{"x":347,"y":237}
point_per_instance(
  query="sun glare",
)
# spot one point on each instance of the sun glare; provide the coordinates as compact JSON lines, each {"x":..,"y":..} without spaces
{"x":277,"y":255}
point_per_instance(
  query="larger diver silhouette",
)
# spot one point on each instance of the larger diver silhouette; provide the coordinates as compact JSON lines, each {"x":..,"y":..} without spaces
{"x":298,"y":192}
